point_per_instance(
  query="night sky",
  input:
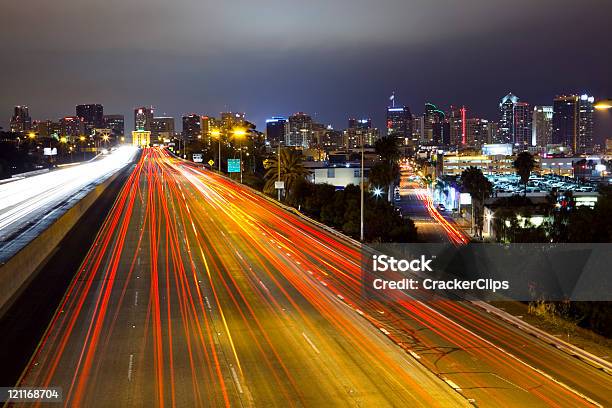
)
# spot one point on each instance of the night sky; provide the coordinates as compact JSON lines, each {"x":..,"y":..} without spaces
{"x":330,"y":58}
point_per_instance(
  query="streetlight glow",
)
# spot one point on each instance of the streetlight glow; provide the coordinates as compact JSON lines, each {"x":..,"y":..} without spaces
{"x":603,"y":104}
{"x":378,"y":192}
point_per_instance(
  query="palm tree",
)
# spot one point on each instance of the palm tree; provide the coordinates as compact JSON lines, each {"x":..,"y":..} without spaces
{"x":291,"y":168}
{"x":387,"y":148}
{"x":388,"y":171}
{"x":524,"y":164}
{"x":479,"y":188}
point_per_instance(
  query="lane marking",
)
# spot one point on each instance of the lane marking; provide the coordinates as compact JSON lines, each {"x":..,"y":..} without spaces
{"x":236,"y":380}
{"x":311,"y":343}
{"x":136,"y":299}
{"x":415,"y":355}
{"x":130,"y":366}
{"x":452,"y":384}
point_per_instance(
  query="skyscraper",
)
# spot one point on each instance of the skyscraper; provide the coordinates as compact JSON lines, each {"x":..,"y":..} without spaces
{"x":457,"y":120}
{"x":143,"y":118}
{"x":300,"y":130}
{"x":477,"y":132}
{"x":116,"y":123}
{"x":399,"y":124}
{"x":522,"y":116}
{"x":541,"y":130}
{"x":92,"y":116}
{"x":230,"y":120}
{"x":573,"y":122}
{"x":276,"y":130}
{"x":71,"y":127}
{"x":192,"y":126}
{"x":433,"y":124}
{"x":515,"y":121}
{"x":506,"y":123}
{"x":584,"y":143}
{"x":162,"y":127}
{"x":360,"y":130}
{"x":565,"y":120}
{"x":21,"y":120}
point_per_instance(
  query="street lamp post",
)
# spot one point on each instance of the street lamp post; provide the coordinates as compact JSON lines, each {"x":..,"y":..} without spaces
{"x":82,"y":139}
{"x":217,"y":134}
{"x":279,"y":169}
{"x":361,"y":235}
{"x":239,"y":133}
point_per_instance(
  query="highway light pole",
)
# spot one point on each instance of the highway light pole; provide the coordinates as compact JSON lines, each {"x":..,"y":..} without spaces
{"x":279,"y":169}
{"x":239,"y":133}
{"x":361,"y":235}
{"x":217,"y":133}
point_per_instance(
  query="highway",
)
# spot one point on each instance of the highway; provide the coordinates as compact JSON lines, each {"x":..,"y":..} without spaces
{"x":192,"y":295}
{"x":197,"y":291}
{"x":432,"y":225}
{"x":31,"y":204}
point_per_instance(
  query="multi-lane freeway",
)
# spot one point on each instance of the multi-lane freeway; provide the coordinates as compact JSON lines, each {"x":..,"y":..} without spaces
{"x":29,"y":205}
{"x":198,"y":291}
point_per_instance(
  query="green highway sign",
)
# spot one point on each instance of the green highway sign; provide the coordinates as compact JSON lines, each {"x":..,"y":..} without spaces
{"x":233,"y":165}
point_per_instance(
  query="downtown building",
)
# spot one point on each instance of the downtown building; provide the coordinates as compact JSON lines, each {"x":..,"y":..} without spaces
{"x":162,"y":128}
{"x":277,"y":129}
{"x":192,"y":126}
{"x":92,"y":116}
{"x":21,"y":120}
{"x":360,"y":131}
{"x":71,"y":127}
{"x":143,"y":118}
{"x":515,"y":121}
{"x":457,"y":126}
{"x":116,"y":124}
{"x":572,"y":122}
{"x":433,"y":126}
{"x":400,"y":124}
{"x":541,"y":126}
{"x":300,"y":130}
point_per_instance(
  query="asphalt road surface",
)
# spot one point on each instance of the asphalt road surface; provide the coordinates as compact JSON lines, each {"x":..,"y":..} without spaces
{"x":197,"y":291}
{"x":188,"y":297}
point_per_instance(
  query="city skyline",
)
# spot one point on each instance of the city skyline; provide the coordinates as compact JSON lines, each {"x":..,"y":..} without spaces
{"x":245,"y":59}
{"x":601,"y":126}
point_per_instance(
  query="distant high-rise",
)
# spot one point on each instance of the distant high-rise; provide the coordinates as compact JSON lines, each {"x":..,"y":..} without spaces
{"x":92,"y":116}
{"x":71,"y":127}
{"x":46,"y":128}
{"x":230,"y":120}
{"x":584,"y":142}
{"x":162,"y":127}
{"x":21,"y":120}
{"x":300,"y":130}
{"x":192,"y":126}
{"x":358,"y":131}
{"x":433,"y":124}
{"x":541,"y":126}
{"x":506,"y":123}
{"x":116,"y":123}
{"x":276,"y":130}
{"x":573,"y":122}
{"x":477,"y":132}
{"x":143,"y":118}
{"x":331,"y":140}
{"x":457,"y":120}
{"x":399,"y":124}
{"x":522,"y":116}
